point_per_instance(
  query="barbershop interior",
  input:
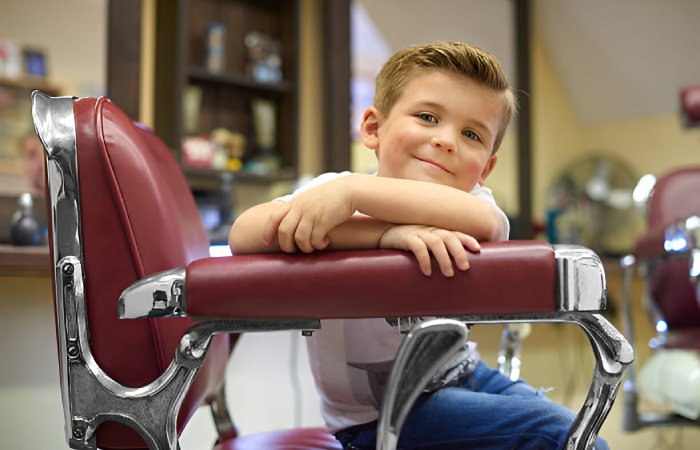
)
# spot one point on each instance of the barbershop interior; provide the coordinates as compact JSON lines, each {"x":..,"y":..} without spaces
{"x":220,"y":105}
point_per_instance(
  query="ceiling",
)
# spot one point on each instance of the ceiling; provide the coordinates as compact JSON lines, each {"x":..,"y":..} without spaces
{"x":617,"y":60}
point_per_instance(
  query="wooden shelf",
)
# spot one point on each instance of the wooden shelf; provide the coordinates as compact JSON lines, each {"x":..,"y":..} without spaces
{"x":284,"y":174}
{"x":198,"y":74}
{"x":30,"y":83}
{"x":24,"y":260}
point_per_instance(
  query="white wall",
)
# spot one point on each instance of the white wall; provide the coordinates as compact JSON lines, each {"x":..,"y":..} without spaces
{"x":72,"y":34}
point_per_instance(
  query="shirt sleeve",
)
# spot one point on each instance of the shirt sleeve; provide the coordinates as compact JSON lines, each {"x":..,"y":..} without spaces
{"x":486,"y":194}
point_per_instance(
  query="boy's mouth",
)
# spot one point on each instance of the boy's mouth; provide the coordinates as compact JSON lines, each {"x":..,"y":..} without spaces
{"x":433,"y":163}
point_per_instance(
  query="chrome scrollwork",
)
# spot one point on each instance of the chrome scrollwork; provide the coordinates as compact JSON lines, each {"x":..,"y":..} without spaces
{"x":612,"y":352}
{"x":424,"y":349}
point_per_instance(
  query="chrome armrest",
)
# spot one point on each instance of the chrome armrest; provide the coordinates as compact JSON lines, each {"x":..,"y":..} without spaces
{"x":580,"y":279}
{"x":159,"y":295}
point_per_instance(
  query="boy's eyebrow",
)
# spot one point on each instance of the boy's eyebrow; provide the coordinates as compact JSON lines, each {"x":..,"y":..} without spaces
{"x":428,"y":104}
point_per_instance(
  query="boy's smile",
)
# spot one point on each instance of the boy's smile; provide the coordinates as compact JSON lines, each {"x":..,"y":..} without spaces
{"x":434,"y":164}
{"x":441,"y":129}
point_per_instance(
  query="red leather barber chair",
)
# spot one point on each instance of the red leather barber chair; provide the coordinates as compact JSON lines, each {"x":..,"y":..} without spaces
{"x":667,"y":256}
{"x":127,"y":243}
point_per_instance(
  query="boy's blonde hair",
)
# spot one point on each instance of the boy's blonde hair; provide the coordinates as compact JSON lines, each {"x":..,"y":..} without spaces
{"x":456,"y":57}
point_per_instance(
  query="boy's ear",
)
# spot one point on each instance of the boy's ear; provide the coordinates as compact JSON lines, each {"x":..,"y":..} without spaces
{"x":369,"y":129}
{"x":488,"y":168}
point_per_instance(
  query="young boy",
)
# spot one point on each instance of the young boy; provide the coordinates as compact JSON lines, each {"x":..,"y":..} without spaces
{"x":440,"y":114}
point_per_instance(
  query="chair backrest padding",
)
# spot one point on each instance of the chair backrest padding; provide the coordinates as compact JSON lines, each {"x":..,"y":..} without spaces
{"x":676,"y":196}
{"x":138,"y":217}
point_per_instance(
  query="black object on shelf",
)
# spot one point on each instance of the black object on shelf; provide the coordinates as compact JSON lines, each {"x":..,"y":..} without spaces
{"x":25,"y":228}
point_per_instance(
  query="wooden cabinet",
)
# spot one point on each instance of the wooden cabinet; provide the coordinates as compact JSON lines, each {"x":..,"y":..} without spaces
{"x":206,"y":84}
{"x":194,"y":97}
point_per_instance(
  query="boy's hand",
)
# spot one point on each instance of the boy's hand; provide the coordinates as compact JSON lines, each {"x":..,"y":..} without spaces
{"x":305,"y":221}
{"x":422,"y":241}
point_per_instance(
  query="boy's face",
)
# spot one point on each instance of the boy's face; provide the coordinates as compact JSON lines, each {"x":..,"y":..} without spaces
{"x":441,"y":129}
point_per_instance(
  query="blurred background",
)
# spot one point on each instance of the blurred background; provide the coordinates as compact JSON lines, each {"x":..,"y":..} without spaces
{"x":253,"y":97}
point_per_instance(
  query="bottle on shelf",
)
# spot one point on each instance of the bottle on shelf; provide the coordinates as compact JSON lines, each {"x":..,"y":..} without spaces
{"x":25,"y":228}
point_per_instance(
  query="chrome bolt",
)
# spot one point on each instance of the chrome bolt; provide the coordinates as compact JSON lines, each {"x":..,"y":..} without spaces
{"x":78,"y":433}
{"x":68,"y":269}
{"x":73,"y":351}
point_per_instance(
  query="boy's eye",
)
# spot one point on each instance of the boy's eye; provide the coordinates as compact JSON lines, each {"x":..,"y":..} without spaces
{"x":427,"y":117}
{"x":471,"y":135}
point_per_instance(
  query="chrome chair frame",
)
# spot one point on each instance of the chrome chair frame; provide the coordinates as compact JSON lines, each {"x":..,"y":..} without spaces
{"x":91,"y":397}
{"x":681,"y":240}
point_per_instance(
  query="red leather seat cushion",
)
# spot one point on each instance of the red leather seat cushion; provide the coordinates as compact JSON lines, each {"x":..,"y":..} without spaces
{"x":301,"y":439}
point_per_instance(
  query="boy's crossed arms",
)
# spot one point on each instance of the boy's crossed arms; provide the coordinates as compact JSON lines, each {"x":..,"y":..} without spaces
{"x":421,"y":217}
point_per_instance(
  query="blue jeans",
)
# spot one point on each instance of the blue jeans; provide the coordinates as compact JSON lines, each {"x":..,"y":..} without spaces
{"x":489,"y":412}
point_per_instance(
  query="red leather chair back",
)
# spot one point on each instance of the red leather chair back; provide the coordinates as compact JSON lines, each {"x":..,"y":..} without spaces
{"x":138,"y":217}
{"x":676,"y":196}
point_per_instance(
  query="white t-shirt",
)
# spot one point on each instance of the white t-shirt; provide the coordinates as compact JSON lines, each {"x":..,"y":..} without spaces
{"x":351,"y":358}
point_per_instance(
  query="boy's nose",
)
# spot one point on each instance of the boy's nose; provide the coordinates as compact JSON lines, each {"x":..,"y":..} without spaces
{"x":443,"y":143}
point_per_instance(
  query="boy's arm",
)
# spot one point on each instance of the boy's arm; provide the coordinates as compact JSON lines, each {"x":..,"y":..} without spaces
{"x":308,"y":218}
{"x":426,"y":203}
{"x":362,"y":232}
{"x":247,"y":235}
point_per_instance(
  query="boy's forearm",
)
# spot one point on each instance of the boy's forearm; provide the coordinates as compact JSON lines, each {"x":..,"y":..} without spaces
{"x":386,"y":201}
{"x":358,"y":232}
{"x":416,"y":202}
{"x":246,"y":234}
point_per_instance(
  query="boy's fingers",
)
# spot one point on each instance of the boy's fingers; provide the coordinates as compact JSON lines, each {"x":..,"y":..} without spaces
{"x":321,"y":244}
{"x":455,"y":247}
{"x":273,"y":222}
{"x":437,"y":247}
{"x":420,"y":251}
{"x":286,"y":230}
{"x":469,"y":242}
{"x":319,"y":238}
{"x":301,"y":236}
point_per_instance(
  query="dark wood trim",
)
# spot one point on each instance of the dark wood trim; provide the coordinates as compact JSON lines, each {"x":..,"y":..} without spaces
{"x":337,"y":73}
{"x":289,"y":110}
{"x":169,"y":71}
{"x":124,"y":54}
{"x":522,"y":226}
